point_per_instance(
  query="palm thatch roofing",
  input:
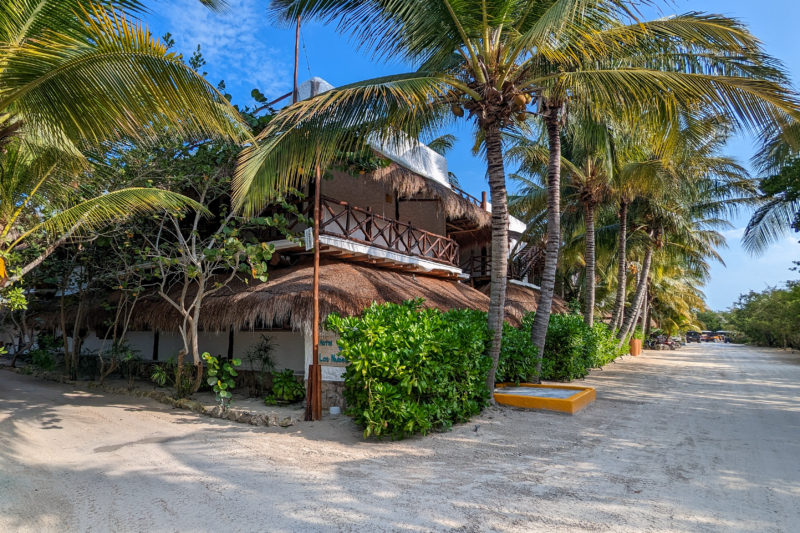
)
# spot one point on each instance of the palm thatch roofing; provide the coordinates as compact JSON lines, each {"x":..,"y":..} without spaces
{"x":409,"y":184}
{"x":523,"y":299}
{"x":286,"y":299}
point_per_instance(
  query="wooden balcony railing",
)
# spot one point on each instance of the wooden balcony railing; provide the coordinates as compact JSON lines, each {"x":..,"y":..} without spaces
{"x":340,"y":219}
{"x":519,"y":266}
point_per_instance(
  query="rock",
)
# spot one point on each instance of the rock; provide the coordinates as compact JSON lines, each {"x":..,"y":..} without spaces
{"x":286,"y":422}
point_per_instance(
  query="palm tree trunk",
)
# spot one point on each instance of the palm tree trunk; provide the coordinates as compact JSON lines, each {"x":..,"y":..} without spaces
{"x":588,"y":313}
{"x":619,"y":303}
{"x":542,"y":319}
{"x":499,"y":270}
{"x":629,"y":323}
{"x":646,"y":311}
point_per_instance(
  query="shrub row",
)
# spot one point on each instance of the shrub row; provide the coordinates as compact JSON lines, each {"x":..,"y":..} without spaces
{"x":572,"y":348}
{"x":413,"y":370}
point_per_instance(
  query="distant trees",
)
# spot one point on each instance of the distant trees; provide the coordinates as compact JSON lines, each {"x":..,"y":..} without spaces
{"x":770,"y":317}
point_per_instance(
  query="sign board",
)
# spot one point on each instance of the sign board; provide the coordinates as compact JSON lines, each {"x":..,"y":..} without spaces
{"x":308,"y":237}
{"x":329,"y":350}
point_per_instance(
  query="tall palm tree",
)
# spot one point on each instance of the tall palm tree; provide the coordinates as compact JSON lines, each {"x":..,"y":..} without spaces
{"x":587,"y":163}
{"x":705,"y":188}
{"x":502,"y":60}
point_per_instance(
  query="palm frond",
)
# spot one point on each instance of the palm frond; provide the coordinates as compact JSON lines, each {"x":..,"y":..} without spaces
{"x":768,"y":224}
{"x":111,"y":79}
{"x":388,"y":110}
{"x":96,"y":213}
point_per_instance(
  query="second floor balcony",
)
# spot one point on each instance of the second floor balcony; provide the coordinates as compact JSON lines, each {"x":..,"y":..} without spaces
{"x":350,"y":232}
{"x":340,"y":219}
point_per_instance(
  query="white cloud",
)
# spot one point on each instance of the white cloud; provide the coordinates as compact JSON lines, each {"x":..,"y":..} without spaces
{"x":735,"y":233}
{"x":233,"y":42}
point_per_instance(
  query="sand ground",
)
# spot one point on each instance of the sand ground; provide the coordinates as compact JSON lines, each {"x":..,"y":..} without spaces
{"x":705,"y":438}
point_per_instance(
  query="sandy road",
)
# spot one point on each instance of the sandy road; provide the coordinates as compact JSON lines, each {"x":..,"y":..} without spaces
{"x":705,"y":438}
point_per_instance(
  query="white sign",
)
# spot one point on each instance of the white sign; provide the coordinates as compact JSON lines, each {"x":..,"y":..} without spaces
{"x":308,"y":236}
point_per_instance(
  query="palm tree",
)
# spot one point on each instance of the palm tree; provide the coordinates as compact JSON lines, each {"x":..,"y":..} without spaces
{"x":779,"y":161}
{"x":587,"y":163}
{"x":80,"y":71}
{"x":76,"y":75}
{"x":704,"y":188}
{"x":502,"y":60}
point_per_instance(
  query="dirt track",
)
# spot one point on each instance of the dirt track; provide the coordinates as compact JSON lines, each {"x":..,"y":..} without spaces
{"x":705,"y":438}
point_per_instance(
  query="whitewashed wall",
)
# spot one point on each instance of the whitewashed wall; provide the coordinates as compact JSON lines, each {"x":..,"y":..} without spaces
{"x":289,"y":345}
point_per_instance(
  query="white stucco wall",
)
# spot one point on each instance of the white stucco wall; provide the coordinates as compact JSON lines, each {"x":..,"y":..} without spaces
{"x":289,"y":345}
{"x":289,"y":348}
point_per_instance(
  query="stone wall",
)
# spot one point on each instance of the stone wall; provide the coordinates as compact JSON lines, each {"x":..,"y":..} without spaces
{"x":333,"y":394}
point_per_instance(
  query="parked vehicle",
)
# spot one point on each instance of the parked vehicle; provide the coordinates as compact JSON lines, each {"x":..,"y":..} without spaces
{"x":657,"y":341}
{"x":693,"y":336}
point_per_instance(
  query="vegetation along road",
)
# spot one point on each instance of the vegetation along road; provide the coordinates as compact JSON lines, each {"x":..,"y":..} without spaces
{"x":705,"y":438}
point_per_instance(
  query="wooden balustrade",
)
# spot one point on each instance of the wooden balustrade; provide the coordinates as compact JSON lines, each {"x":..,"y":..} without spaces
{"x":340,"y":219}
{"x":519,"y":265}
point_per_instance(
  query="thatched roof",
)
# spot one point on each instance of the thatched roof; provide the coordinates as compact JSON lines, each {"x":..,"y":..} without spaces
{"x":522,"y":299}
{"x":286,"y":299}
{"x":410,"y":184}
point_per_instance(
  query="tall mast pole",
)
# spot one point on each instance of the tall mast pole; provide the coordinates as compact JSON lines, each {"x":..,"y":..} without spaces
{"x":314,"y":385}
{"x":296,"y":58}
{"x":315,"y":374}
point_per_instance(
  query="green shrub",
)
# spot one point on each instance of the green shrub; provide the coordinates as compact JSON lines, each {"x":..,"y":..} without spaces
{"x":572,"y":348}
{"x":43,"y":359}
{"x":413,"y":370}
{"x":285,"y":388}
{"x":220,"y":377}
{"x":565,"y":348}
{"x":182,"y":381}
{"x":260,"y":358}
{"x":517,"y":362}
{"x":603,"y":346}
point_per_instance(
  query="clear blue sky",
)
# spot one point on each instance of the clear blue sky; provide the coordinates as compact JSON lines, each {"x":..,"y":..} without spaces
{"x":242,"y":48}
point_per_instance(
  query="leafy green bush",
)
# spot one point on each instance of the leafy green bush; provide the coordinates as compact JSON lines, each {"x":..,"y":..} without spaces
{"x":413,"y":370}
{"x":260,"y":358}
{"x":566,"y":348}
{"x":43,"y":359}
{"x":167,"y":372}
{"x":517,"y":362}
{"x":602,"y":346}
{"x":286,"y":388}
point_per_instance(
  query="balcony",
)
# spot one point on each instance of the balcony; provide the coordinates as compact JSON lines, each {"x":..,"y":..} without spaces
{"x":342,"y":220}
{"x":520,"y":265}
{"x":358,"y":234}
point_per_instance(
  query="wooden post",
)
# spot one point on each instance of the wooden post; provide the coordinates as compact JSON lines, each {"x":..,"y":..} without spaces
{"x":484,"y":203}
{"x":314,"y":392}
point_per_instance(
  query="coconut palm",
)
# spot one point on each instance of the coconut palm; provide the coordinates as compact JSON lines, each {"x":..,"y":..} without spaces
{"x":498,"y":61}
{"x":706,"y":188}
{"x":587,"y":162}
